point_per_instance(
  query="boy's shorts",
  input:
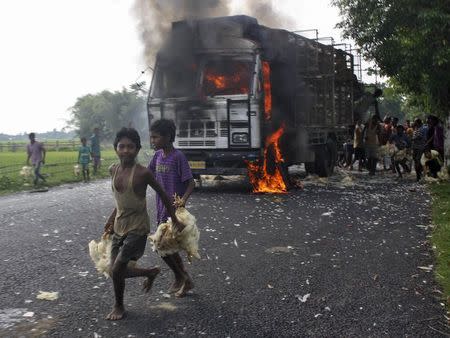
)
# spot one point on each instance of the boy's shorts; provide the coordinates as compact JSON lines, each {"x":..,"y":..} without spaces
{"x":96,"y":160}
{"x":129,"y":247}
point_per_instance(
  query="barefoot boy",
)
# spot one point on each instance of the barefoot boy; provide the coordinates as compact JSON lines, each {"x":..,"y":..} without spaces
{"x":129,"y":222}
{"x":172,"y":171}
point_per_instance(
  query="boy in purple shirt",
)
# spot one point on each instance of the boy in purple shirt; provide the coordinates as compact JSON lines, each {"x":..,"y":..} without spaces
{"x":171,"y":169}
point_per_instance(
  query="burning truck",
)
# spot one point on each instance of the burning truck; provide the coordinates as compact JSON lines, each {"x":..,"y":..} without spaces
{"x":252,"y":99}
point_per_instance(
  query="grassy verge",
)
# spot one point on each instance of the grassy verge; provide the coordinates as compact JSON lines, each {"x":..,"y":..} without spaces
{"x":441,"y":234}
{"x":58,"y":169}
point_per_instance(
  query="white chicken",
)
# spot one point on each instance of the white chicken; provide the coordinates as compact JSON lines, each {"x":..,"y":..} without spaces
{"x":167,"y":240}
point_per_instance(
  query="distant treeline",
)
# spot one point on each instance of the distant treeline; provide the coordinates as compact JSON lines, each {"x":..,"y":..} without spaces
{"x":50,"y":145}
{"x":49,"y":135}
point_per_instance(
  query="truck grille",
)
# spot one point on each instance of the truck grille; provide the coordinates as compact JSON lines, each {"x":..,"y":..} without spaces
{"x":197,"y":143}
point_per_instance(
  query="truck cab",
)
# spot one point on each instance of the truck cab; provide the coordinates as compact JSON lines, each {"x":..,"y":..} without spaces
{"x":214,"y":94}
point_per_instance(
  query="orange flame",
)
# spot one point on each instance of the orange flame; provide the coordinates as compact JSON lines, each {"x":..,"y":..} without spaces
{"x":236,"y":83}
{"x":261,"y":180}
{"x":218,"y":80}
{"x":267,"y":91}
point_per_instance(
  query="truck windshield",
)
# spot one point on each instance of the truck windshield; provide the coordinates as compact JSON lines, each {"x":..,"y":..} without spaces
{"x":226,"y":77}
{"x":175,"y":81}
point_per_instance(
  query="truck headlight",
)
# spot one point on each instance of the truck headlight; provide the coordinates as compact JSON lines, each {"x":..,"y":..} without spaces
{"x":240,"y":137}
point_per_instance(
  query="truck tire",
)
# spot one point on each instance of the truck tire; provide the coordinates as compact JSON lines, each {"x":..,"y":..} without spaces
{"x":326,"y":159}
{"x":310,"y":168}
{"x":284,"y":169}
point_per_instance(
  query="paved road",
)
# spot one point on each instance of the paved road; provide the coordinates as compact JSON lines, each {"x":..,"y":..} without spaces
{"x":338,"y":258}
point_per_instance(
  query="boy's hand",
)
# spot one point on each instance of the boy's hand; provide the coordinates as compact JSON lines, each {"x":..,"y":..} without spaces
{"x":109,"y":228}
{"x":179,"y":202}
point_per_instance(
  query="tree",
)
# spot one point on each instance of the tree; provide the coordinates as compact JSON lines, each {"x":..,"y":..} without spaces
{"x":408,"y":40}
{"x":109,"y":111}
{"x":391,"y":103}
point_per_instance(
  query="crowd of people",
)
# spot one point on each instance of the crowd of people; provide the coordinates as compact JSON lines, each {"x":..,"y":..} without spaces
{"x":396,"y":147}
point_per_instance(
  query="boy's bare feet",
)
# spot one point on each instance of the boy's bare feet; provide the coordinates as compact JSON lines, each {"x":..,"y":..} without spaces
{"x":117,"y":313}
{"x":150,"y":278}
{"x":177,"y":285}
{"x":187,"y":285}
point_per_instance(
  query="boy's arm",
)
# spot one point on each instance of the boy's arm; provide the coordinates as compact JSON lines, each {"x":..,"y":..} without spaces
{"x":150,"y":180}
{"x":186,"y":175}
{"x":109,"y":226}
{"x":184,"y":198}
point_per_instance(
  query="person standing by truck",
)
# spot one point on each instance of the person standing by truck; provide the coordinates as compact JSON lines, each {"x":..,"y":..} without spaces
{"x":371,"y":137}
{"x":418,"y":141}
{"x":172,"y":172}
{"x":358,"y":145}
{"x":36,"y":152}
{"x":95,"y":149}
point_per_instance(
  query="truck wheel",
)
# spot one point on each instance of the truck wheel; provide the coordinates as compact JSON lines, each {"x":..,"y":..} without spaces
{"x":284,"y":169}
{"x":326,"y":159}
{"x":310,"y":168}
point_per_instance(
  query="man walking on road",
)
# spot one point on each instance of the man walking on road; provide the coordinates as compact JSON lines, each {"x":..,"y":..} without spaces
{"x":36,"y":152}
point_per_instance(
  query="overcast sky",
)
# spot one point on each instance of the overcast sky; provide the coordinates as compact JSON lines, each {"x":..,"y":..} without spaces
{"x":54,"y":51}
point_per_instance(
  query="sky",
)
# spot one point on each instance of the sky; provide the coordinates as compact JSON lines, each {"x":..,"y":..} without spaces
{"x":55,"y":51}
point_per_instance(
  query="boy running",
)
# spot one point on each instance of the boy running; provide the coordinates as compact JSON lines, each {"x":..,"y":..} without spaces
{"x":129,"y":222}
{"x":172,"y":171}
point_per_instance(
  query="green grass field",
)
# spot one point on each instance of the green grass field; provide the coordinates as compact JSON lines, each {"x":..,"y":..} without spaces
{"x":58,"y":168}
{"x":441,"y":235}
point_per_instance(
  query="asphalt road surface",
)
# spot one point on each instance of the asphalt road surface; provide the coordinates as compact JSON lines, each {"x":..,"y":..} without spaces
{"x":348,"y":257}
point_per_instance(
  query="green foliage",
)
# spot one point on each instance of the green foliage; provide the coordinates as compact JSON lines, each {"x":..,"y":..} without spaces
{"x":441,"y":234}
{"x":391,"y":103}
{"x":109,"y":112}
{"x":409,"y":41}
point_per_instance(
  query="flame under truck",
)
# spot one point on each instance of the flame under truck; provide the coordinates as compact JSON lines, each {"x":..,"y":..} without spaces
{"x":229,"y":83}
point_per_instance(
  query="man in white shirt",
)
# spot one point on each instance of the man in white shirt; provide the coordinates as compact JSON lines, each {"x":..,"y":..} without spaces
{"x":431,"y":162}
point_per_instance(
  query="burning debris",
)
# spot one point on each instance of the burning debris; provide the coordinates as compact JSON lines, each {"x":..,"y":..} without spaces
{"x":262,"y":180}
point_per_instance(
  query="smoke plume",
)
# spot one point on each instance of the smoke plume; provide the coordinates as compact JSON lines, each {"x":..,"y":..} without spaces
{"x":266,"y":14}
{"x":156,"y":16}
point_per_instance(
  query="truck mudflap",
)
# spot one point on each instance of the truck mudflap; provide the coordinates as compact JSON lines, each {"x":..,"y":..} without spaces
{"x":220,"y":162}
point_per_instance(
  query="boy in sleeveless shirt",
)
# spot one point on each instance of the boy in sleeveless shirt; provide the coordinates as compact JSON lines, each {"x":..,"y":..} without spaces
{"x":129,"y":222}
